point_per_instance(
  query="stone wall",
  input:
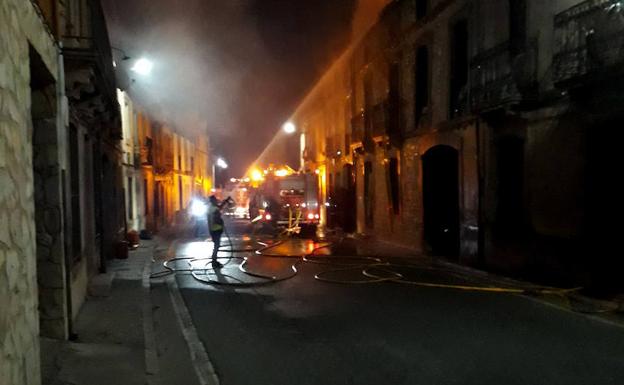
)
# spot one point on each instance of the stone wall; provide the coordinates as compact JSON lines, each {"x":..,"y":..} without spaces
{"x":20,"y":25}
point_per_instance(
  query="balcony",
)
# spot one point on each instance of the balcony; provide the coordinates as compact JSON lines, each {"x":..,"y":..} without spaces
{"x":85,"y":41}
{"x":589,"y":40}
{"x":146,"y":152}
{"x":499,"y":80}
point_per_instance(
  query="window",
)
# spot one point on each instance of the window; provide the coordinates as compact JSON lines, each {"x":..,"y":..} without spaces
{"x":130,"y":200}
{"x":145,"y":197}
{"x":421,"y":8}
{"x":510,"y":185}
{"x":517,"y":25}
{"x":368,"y":105}
{"x":368,"y":194}
{"x":394,"y":99}
{"x":421,"y":98}
{"x":181,"y":193}
{"x":459,"y":67}
{"x":74,"y":180}
{"x":394,"y":187}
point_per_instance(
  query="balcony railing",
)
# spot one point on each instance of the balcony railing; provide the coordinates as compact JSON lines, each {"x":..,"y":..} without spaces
{"x":589,"y":38}
{"x":86,"y":38}
{"x":147,"y":155}
{"x":493,"y":80}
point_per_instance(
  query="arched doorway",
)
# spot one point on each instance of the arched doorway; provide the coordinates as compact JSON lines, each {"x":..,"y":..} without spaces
{"x":441,"y":200}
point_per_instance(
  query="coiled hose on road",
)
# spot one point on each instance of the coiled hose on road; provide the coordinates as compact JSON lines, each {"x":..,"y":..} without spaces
{"x":369,"y":269}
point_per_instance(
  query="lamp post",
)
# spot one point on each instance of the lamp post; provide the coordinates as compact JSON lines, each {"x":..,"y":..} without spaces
{"x":219,"y":162}
{"x":290,"y":128}
{"x":142,"y":66}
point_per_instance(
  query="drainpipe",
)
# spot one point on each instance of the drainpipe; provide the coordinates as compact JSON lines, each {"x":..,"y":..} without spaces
{"x":63,"y":123}
{"x":481,"y":194}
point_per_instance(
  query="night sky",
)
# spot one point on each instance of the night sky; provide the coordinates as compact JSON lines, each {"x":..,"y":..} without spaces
{"x":236,"y":67}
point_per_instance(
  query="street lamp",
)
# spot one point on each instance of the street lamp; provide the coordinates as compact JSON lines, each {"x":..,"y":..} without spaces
{"x":221,"y":163}
{"x":289,"y":128}
{"x":218,"y":163}
{"x":142,"y":67}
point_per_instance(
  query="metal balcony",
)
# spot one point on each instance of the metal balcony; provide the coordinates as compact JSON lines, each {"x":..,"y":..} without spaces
{"x":589,"y":40}
{"x":497,"y":79}
{"x":85,"y":40}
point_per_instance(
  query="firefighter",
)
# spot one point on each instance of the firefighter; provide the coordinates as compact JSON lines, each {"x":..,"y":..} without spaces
{"x":216,"y":226}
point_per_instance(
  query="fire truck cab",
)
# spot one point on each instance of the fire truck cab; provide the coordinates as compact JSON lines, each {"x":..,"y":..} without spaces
{"x":289,"y":201}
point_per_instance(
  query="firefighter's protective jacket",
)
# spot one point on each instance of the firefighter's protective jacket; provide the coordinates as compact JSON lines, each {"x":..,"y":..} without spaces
{"x":215,"y":222}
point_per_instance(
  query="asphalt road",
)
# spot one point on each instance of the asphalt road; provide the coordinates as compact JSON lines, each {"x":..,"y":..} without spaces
{"x":302,"y":331}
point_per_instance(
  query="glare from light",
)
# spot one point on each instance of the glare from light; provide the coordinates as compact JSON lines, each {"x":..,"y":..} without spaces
{"x":256,"y":175}
{"x":233,"y":180}
{"x":310,"y":216}
{"x":281,"y":173}
{"x":142,"y":67}
{"x":198,"y":208}
{"x":268,"y":217}
{"x":289,"y":127}
{"x":221,"y":163}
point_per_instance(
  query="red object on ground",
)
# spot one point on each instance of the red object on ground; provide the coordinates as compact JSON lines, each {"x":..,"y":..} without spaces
{"x":133,"y":239}
{"x":121,"y":250}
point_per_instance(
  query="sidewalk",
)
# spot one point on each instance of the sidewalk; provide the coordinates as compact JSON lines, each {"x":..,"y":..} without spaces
{"x":126,"y":331}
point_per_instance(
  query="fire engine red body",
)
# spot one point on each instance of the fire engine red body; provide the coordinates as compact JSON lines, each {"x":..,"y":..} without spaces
{"x":285,"y":200}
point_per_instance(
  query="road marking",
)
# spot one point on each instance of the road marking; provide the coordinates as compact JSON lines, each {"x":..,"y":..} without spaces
{"x":199,"y":357}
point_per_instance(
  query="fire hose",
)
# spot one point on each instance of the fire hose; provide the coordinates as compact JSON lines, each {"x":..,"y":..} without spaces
{"x":370,"y":270}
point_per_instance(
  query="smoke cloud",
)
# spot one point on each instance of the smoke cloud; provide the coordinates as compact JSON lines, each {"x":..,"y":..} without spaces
{"x":235,"y":68}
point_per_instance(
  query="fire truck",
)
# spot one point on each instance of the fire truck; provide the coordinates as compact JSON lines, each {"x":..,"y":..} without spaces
{"x":289,"y":202}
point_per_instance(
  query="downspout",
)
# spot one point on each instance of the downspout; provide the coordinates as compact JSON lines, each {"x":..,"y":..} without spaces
{"x":481,"y":194}
{"x":63,"y":123}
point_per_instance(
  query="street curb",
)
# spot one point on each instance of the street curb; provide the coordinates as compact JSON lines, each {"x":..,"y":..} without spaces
{"x":201,"y":361}
{"x":601,"y":308}
{"x":566,"y":305}
{"x":149,"y":336}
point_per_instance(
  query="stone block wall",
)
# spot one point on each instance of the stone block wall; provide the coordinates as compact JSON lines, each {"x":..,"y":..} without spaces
{"x":20,"y":25}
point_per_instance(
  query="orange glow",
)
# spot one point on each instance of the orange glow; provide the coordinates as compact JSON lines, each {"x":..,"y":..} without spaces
{"x":283,"y":171}
{"x":256,"y":175}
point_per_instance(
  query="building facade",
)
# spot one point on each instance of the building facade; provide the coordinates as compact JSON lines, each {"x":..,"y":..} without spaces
{"x":35,"y":59}
{"x":479,"y":130}
{"x":59,"y":130}
{"x":133,"y":179}
{"x":176,"y":166}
